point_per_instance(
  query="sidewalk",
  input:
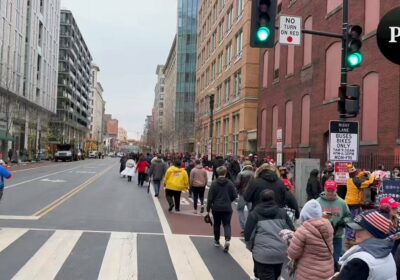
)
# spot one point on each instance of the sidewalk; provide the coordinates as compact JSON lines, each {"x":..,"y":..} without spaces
{"x":29,"y":165}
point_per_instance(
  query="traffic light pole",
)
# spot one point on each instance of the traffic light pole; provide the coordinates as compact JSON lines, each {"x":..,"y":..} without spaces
{"x":343,"y":73}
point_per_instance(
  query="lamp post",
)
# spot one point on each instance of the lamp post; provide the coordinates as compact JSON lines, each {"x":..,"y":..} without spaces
{"x":210,"y":97}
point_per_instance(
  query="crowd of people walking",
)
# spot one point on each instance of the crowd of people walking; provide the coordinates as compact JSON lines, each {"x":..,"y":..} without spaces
{"x":307,"y":244}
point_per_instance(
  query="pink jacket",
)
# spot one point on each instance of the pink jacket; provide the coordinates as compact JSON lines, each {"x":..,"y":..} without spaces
{"x":198,"y":177}
{"x":308,"y":249}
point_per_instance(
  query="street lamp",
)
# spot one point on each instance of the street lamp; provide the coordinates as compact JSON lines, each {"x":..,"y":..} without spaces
{"x":210,"y":97}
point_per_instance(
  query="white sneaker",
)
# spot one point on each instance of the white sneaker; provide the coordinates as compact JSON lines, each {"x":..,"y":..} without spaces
{"x":226,"y":246}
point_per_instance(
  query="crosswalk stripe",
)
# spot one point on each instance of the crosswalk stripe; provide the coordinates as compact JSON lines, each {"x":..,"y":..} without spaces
{"x":185,"y":258}
{"x":241,"y":255}
{"x":8,"y":236}
{"x":51,"y":256}
{"x":120,"y":259}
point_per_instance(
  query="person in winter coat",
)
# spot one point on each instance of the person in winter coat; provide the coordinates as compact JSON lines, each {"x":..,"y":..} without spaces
{"x":371,"y":258}
{"x":141,"y":168}
{"x":284,"y":177}
{"x":4,"y":174}
{"x":311,"y":245}
{"x":267,"y":177}
{"x":219,"y":161}
{"x":198,"y":182}
{"x":129,"y":170}
{"x":314,"y":188}
{"x":122,"y":161}
{"x":328,"y":173}
{"x":233,"y":167}
{"x":337,"y":212}
{"x":356,"y":185}
{"x":220,"y":197}
{"x":291,"y":205}
{"x":157,"y":172}
{"x":175,"y":181}
{"x":262,"y":237}
{"x":189,"y":168}
{"x":242,"y":181}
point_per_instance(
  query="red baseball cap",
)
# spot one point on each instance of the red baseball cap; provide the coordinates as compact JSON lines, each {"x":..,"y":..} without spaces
{"x":330,"y":185}
{"x":391,"y":202}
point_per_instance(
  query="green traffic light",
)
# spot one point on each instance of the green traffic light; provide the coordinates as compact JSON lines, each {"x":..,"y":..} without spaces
{"x":354,"y":59}
{"x":263,"y":33}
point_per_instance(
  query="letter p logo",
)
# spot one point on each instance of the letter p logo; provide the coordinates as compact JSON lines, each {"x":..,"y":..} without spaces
{"x":394,"y":33}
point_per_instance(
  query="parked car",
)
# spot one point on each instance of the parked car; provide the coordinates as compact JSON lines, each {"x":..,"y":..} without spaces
{"x":93,"y":154}
{"x":64,"y":153}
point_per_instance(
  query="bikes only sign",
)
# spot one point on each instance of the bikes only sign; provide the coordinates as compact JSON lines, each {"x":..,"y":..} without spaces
{"x":343,"y":141}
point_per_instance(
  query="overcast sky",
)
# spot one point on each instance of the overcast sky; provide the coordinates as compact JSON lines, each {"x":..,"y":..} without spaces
{"x":127,"y":39}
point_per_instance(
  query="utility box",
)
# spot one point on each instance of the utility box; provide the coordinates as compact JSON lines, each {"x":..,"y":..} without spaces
{"x":303,"y":167}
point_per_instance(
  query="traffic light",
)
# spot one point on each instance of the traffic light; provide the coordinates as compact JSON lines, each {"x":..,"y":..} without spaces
{"x":262,"y":33}
{"x":354,"y":56}
{"x":349,"y":101}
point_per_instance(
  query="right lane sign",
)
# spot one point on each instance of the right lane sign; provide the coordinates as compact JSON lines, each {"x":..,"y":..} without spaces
{"x":343,"y":141}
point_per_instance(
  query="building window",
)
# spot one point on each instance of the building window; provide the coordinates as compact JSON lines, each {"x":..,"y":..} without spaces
{"x":230,"y":18}
{"x":213,"y":70}
{"x":265,"y":69}
{"x":307,"y":55}
{"x":236,"y":129}
{"x":274,"y":125}
{"x":214,"y":40}
{"x":227,"y":90}
{"x":290,"y":60}
{"x":219,"y":135}
{"x":263,"y":128}
{"x":333,"y":4}
{"x":221,"y":31}
{"x":239,"y":43}
{"x":226,"y":136}
{"x":220,"y":62}
{"x":277,"y":60}
{"x":332,"y":72}
{"x":238,"y":83}
{"x":219,"y":96}
{"x":288,"y":123}
{"x":370,"y":106}
{"x":305,"y":120}
{"x":228,"y":55}
{"x":240,"y":8}
{"x":372,"y":12}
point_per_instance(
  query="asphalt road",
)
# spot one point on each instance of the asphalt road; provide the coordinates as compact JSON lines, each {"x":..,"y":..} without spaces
{"x":81,"y":220}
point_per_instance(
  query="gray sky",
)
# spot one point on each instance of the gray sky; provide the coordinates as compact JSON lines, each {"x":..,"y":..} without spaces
{"x":127,"y":39}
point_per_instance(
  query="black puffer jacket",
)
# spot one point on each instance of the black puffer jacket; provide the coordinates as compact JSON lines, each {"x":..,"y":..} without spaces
{"x":221,"y":195}
{"x":266,"y":180}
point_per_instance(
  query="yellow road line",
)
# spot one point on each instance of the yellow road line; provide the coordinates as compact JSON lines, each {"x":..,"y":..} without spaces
{"x":56,"y":203}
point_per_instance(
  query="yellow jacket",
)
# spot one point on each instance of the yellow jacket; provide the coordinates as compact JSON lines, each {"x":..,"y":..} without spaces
{"x":176,"y":179}
{"x":354,"y":195}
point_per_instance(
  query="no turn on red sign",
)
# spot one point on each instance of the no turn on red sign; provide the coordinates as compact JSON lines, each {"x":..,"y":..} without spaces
{"x":290,"y":30}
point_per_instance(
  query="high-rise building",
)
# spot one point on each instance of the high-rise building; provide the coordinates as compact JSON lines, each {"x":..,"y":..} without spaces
{"x":71,"y":124}
{"x":97,"y":108}
{"x":158,"y":108}
{"x":227,"y":77}
{"x":184,"y":60}
{"x":29,"y":33}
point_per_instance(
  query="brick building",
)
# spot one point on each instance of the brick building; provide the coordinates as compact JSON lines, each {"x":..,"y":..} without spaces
{"x":299,"y":85}
{"x":226,"y":69}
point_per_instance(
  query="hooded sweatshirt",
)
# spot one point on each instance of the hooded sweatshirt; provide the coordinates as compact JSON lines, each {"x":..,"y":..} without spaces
{"x":157,"y":169}
{"x":198,"y":177}
{"x":314,"y":188}
{"x":340,"y":213}
{"x":221,"y":195}
{"x":371,"y":260}
{"x":266,"y":180}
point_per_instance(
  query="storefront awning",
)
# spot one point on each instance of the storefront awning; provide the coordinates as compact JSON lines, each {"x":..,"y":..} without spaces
{"x":5,"y":137}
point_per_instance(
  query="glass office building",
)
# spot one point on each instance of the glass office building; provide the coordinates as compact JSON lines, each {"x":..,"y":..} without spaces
{"x":186,"y":74}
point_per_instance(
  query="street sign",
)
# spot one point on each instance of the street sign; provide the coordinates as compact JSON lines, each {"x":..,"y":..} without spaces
{"x":279,"y":134}
{"x":343,"y":141}
{"x":290,"y":30}
{"x":279,"y":147}
{"x":341,"y":172}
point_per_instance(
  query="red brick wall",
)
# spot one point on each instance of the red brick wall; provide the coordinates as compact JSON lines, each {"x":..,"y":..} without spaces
{"x":312,"y":81}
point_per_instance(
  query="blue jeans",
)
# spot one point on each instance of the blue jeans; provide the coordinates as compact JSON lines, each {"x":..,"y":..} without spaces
{"x":156,"y":185}
{"x":337,"y":248}
{"x":240,"y":209}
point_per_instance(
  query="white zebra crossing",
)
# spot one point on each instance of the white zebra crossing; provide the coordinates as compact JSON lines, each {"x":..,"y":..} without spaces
{"x":120,"y":260}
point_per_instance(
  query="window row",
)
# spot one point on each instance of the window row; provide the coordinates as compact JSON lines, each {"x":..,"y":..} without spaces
{"x":228,"y":91}
{"x":208,"y":17}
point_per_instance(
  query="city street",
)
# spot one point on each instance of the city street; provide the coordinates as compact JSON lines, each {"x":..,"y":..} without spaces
{"x":81,"y":220}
